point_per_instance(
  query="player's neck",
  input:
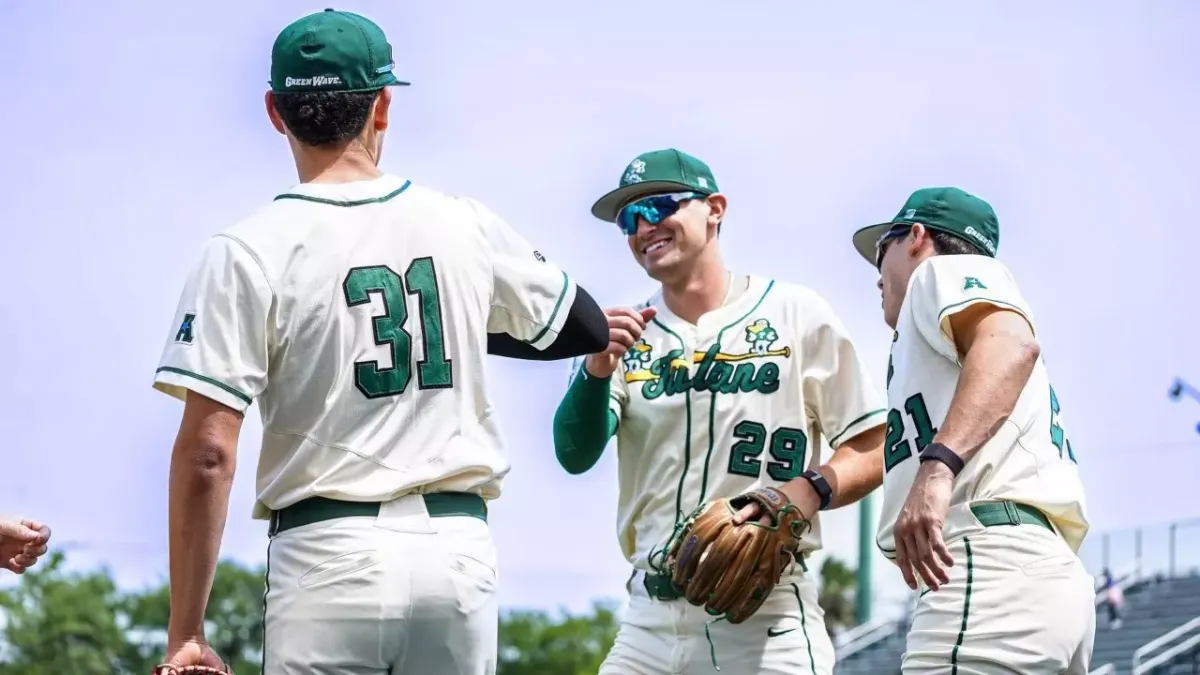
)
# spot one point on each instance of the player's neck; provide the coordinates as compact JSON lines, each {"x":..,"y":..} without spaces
{"x":699,"y":292}
{"x":342,"y":165}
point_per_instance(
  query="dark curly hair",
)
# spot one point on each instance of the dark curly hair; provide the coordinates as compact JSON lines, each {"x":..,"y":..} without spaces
{"x":945,"y":243}
{"x":325,"y":118}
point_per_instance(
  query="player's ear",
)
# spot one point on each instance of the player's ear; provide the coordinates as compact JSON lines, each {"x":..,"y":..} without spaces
{"x":273,"y":114}
{"x":716,"y":209}
{"x":916,"y":239}
{"x":379,"y":113}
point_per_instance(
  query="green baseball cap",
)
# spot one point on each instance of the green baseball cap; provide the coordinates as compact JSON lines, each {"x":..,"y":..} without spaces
{"x":654,"y":173}
{"x":945,"y":209}
{"x":332,"y":51}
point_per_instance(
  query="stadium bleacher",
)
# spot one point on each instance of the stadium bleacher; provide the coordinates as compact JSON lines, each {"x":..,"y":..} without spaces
{"x":1159,"y":632}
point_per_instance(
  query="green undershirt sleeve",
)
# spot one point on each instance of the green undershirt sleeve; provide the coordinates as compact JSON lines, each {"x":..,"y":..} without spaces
{"x":583,"y":424}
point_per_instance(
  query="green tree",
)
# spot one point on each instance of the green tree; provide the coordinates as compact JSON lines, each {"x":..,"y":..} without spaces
{"x":233,"y":620}
{"x":836,"y":595}
{"x":535,"y":643}
{"x":61,"y":622}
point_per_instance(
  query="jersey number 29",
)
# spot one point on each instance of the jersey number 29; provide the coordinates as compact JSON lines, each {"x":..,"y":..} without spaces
{"x":435,"y":371}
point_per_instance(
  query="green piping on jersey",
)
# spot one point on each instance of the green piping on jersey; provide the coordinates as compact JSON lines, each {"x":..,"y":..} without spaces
{"x":207,"y":380}
{"x":962,"y":631}
{"x":342,"y":202}
{"x":712,"y":401}
{"x":687,"y":435}
{"x":812,"y":663}
{"x":998,"y":303}
{"x":557,"y":306}
{"x":833,"y":441}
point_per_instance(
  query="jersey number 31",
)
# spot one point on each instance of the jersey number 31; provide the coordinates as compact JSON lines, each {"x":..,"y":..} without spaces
{"x":435,"y":371}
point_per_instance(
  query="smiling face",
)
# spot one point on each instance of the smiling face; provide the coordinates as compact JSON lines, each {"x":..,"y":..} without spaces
{"x":669,"y":249}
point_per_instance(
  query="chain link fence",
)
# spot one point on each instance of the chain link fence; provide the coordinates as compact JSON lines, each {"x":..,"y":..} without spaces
{"x":1170,"y":549}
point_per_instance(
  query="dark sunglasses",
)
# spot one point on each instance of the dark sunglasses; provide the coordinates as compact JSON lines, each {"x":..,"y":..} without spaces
{"x":654,"y":209}
{"x":885,"y":239}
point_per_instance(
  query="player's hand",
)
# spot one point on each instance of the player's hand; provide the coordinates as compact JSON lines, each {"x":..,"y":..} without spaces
{"x":192,"y":652}
{"x":22,"y":542}
{"x":920,"y":549}
{"x":625,"y":326}
{"x":798,"y":490}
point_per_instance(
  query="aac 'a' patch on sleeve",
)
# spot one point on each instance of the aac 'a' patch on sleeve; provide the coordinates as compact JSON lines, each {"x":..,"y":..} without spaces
{"x":945,"y":285}
{"x":187,"y":329}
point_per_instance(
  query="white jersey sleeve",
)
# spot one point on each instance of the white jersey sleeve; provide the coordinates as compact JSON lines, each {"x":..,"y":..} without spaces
{"x":945,"y":285}
{"x":837,"y":388}
{"x":218,"y":342}
{"x":531,"y":296}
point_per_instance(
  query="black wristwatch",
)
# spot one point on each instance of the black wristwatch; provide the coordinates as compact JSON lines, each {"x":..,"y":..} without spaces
{"x":821,"y":485}
{"x":937,"y":452}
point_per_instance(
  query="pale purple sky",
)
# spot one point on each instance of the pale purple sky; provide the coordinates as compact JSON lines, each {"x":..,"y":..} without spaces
{"x":134,"y":130}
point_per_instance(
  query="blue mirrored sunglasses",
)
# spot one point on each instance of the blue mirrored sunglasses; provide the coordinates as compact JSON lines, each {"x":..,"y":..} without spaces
{"x":654,"y":209}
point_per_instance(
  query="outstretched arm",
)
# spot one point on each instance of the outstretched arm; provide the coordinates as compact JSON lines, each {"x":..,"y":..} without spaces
{"x":584,"y":332}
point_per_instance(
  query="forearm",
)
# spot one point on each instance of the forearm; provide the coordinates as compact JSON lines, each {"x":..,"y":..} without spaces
{"x":198,"y":506}
{"x":856,"y":468}
{"x":583,"y":423}
{"x":994,"y":373}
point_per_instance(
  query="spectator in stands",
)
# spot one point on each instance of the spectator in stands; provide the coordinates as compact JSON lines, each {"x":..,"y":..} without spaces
{"x":22,"y":542}
{"x":1114,"y":599}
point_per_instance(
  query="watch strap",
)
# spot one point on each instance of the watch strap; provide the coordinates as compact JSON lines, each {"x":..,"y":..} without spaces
{"x":937,"y":452}
{"x":821,"y":485}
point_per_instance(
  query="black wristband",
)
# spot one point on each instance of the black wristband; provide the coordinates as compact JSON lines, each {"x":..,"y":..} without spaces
{"x":821,"y":485}
{"x":939,"y":453}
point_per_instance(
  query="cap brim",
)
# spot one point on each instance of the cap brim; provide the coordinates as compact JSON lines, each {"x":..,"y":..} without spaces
{"x":607,"y":207}
{"x":866,"y":238}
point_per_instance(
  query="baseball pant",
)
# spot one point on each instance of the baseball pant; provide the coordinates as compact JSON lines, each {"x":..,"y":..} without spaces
{"x":409,"y":591}
{"x":786,"y":636}
{"x":1019,"y":602}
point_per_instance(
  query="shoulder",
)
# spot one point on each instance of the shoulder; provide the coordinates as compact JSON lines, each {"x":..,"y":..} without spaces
{"x":803,"y":302}
{"x":969,"y":269}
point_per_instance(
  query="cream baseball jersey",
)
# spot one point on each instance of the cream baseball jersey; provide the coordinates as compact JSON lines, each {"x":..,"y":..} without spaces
{"x":745,"y":398}
{"x":357,"y":316}
{"x":1029,"y":460}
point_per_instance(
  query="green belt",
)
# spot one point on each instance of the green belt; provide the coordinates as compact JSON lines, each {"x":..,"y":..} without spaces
{"x":659,"y":586}
{"x":991,"y":514}
{"x":319,"y":509}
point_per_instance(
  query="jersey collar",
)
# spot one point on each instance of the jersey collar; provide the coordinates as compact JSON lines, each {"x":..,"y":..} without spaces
{"x":356,"y":193}
{"x":719,"y":317}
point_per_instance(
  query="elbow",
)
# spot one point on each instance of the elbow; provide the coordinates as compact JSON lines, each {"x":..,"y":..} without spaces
{"x":1029,"y":351}
{"x":207,"y":460}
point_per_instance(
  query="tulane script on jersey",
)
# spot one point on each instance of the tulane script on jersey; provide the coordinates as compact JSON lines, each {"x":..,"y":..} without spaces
{"x":357,"y":316}
{"x":741,"y":400}
{"x":1029,"y":461}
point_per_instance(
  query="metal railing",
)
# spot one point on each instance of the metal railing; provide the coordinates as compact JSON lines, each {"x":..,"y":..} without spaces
{"x":864,"y":635}
{"x":1106,"y":669}
{"x":1185,"y":647}
{"x":1171,"y":548}
{"x":1187,"y":636}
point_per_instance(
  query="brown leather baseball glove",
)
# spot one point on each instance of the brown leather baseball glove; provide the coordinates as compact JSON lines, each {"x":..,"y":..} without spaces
{"x":730,"y":569}
{"x":168,"y":669}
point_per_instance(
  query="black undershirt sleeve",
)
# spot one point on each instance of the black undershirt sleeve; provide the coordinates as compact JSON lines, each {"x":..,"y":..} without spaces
{"x":584,"y":332}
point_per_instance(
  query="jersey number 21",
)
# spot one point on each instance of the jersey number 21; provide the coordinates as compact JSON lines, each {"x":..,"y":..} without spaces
{"x":896,"y":447}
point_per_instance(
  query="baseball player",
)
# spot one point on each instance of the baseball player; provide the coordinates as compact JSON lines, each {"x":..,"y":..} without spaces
{"x":355,"y":308}
{"x":22,"y":542}
{"x":983,"y":507}
{"x":721,"y":383}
